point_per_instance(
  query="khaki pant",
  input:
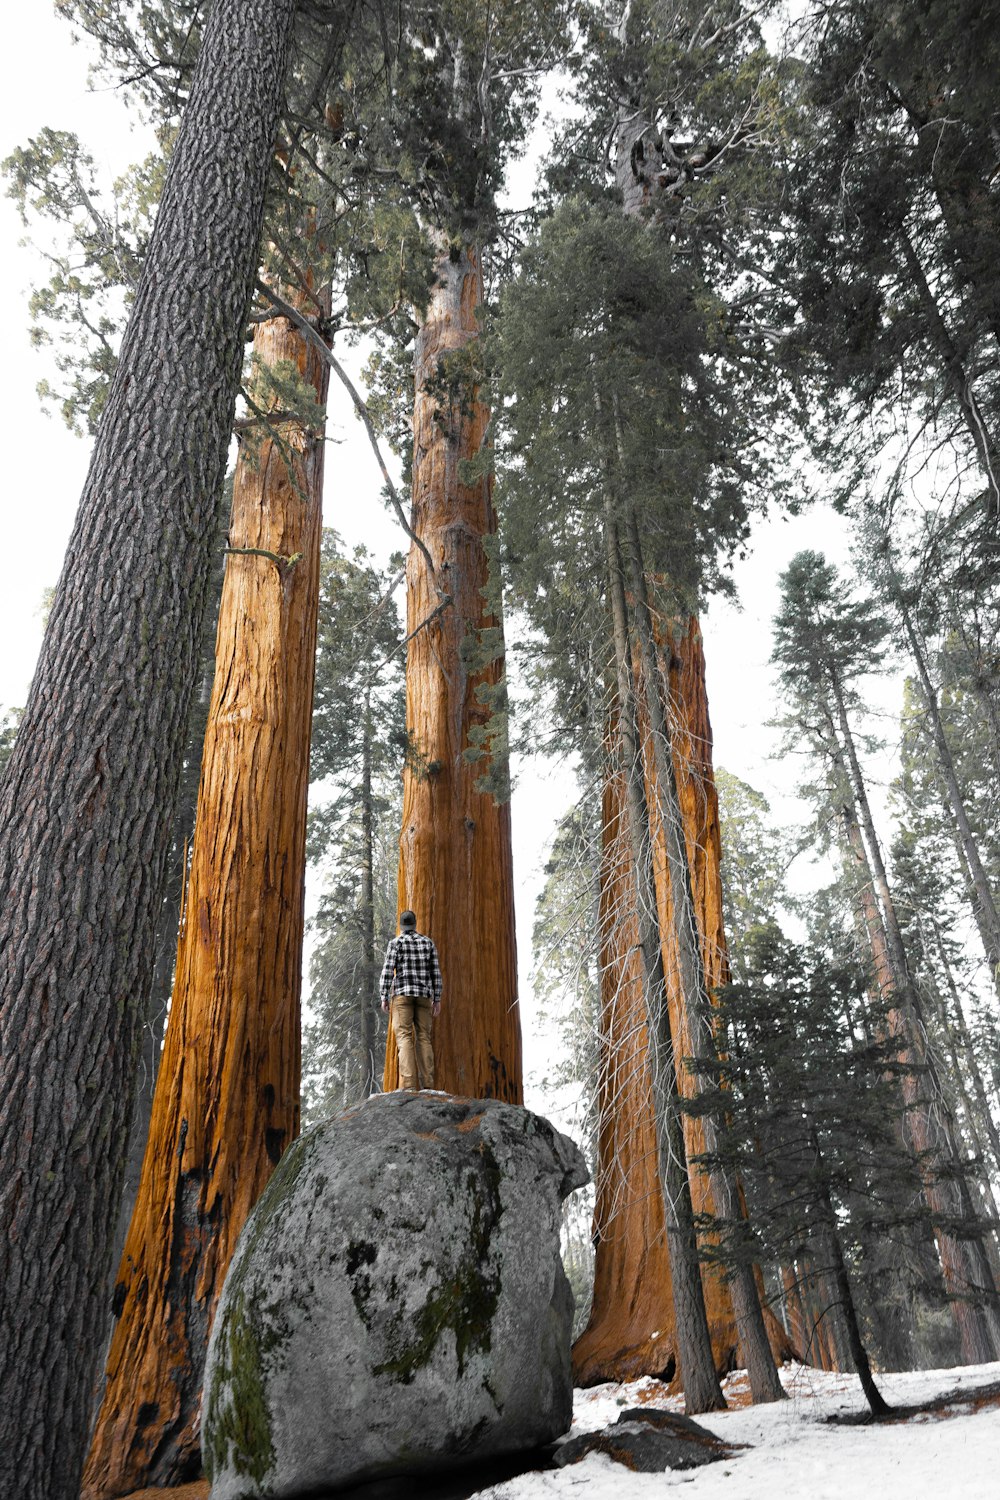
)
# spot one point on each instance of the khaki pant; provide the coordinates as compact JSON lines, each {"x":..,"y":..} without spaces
{"x":411,"y":1022}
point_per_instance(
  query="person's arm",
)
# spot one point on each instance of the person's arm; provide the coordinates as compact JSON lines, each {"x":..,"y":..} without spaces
{"x":388,"y":968}
{"x":438,"y":981}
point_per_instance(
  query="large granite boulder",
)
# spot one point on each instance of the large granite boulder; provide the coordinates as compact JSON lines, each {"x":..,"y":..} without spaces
{"x":397,"y":1302}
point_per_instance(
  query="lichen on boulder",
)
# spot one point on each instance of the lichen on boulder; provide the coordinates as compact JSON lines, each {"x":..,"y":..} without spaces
{"x":397,"y":1302}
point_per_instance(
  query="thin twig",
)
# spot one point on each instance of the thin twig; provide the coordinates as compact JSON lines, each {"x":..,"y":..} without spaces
{"x":446,"y":602}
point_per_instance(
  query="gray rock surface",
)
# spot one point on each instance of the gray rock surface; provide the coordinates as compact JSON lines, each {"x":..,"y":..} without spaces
{"x":397,"y":1303}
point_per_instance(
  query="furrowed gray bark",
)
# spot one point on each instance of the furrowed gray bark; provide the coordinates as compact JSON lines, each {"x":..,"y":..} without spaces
{"x":88,"y":801}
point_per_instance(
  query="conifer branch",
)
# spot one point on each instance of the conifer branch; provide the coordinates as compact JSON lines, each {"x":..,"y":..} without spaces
{"x":294,"y":316}
{"x":279,"y":559}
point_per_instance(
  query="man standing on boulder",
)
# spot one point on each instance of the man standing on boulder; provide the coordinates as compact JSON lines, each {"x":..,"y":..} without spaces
{"x":411,"y":980}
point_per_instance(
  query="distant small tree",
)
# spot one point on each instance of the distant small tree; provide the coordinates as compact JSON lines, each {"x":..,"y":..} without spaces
{"x":753,"y":863}
{"x":359,"y":746}
{"x":826,"y":638}
{"x":807,"y":1116}
{"x":9,"y":721}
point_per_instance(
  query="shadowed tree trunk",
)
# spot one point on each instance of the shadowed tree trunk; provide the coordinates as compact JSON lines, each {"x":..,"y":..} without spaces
{"x":227,"y":1097}
{"x":955,"y":1018}
{"x":842,"y":1287}
{"x":922,"y":1125}
{"x":89,"y":794}
{"x":455,"y":869}
{"x":983,"y":905}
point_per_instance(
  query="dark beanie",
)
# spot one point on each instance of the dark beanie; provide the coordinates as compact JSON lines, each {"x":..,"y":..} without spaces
{"x":408,"y":921}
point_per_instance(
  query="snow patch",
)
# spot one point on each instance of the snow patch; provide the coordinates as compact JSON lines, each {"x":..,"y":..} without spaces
{"x":795,"y":1449}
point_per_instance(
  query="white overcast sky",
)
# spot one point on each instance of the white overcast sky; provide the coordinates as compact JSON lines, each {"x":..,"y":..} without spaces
{"x":45,"y":468}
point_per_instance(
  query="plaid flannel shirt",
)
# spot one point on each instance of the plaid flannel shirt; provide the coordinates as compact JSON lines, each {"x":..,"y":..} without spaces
{"x":411,"y":968}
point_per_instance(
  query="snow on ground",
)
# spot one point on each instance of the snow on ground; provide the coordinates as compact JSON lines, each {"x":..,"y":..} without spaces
{"x":794,"y":1450}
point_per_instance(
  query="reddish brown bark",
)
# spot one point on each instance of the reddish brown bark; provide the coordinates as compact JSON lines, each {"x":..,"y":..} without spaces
{"x":630,"y":1332}
{"x":227,"y":1096}
{"x":691,"y":751}
{"x":455,"y":868}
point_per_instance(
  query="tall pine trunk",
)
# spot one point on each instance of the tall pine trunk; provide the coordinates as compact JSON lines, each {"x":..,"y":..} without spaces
{"x":227,"y":1097}
{"x":89,"y":794}
{"x":976,"y":422}
{"x":842,"y":1284}
{"x":984,"y":907}
{"x":923,"y":1126}
{"x":955,"y":1019}
{"x":455,"y":867}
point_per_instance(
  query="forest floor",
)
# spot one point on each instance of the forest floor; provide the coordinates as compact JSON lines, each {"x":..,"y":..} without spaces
{"x":942,"y":1439}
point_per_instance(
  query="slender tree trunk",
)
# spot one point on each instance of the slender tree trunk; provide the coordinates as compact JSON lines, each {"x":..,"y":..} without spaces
{"x":455,"y":868}
{"x":367,"y":1018}
{"x":968,"y":886}
{"x":984,"y":906}
{"x":928,"y":1136}
{"x":227,"y":1097}
{"x":859,"y":1353}
{"x":688,"y":945}
{"x":956,"y":1018}
{"x":795,"y":1321}
{"x":89,"y":795}
{"x":697,"y":1367}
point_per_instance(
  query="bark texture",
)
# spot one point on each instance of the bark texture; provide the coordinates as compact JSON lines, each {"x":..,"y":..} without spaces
{"x":88,"y":800}
{"x":698,"y":1376}
{"x":227,"y":1096}
{"x":631,"y":1328}
{"x":455,"y":869}
{"x":630,"y":1332}
{"x":927,"y":1118}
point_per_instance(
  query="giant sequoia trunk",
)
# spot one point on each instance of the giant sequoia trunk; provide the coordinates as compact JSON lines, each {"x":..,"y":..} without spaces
{"x":455,"y":867}
{"x":170,"y":914}
{"x":630,"y":1332}
{"x":89,"y":793}
{"x":693,"y":955}
{"x":227,"y":1097}
{"x":692,"y":1338}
